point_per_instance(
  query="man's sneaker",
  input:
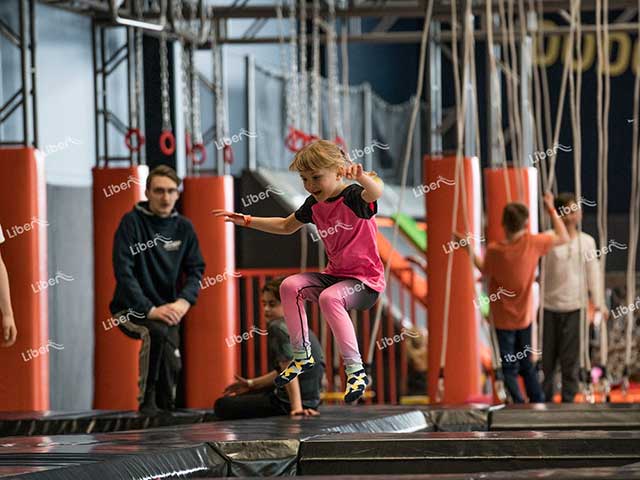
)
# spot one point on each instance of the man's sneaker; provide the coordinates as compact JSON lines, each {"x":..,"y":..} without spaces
{"x":295,"y":368}
{"x":149,"y":406}
{"x":356,"y":385}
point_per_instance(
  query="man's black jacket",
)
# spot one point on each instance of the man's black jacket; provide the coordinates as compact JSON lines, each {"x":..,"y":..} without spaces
{"x":150,"y":256}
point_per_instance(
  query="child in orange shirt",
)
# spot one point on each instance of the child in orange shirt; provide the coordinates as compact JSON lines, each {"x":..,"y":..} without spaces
{"x":510,"y":268}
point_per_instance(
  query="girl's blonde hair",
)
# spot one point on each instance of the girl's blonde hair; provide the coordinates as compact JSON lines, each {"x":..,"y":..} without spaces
{"x":318,"y":154}
{"x":322,"y":154}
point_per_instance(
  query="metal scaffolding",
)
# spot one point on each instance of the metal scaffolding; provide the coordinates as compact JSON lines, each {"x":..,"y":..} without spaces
{"x":25,"y":97}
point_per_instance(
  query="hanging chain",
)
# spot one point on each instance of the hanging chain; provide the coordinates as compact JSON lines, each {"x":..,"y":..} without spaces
{"x":138,"y":75}
{"x":186,"y":96}
{"x":195,"y":90}
{"x":164,"y":84}
{"x":303,"y":91}
{"x":315,"y":79}
{"x":221,"y":108}
{"x":335,"y":119}
{"x":283,"y":52}
{"x":294,"y":112}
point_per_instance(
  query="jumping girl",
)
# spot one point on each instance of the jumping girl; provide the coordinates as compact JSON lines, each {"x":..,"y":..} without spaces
{"x":354,"y":276}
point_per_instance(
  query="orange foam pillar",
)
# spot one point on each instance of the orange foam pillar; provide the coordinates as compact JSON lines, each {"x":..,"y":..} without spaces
{"x":209,"y":362}
{"x":24,"y":367}
{"x":522,"y":187}
{"x":462,"y":363}
{"x":116,"y":356}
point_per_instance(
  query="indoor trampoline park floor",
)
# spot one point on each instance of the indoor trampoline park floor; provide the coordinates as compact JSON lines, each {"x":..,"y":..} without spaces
{"x":452,"y":442}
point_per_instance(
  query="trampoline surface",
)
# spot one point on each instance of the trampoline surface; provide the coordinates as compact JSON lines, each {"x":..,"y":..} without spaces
{"x":550,"y":441}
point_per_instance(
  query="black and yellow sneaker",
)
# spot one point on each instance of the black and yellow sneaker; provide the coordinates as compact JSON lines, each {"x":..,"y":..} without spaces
{"x":356,"y":385}
{"x":295,"y":368}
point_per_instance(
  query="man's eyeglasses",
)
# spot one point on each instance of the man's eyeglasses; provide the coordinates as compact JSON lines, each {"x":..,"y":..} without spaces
{"x":162,"y":191}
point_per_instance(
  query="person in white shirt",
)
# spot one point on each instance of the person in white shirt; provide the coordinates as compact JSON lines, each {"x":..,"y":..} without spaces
{"x":9,"y":331}
{"x":572,"y":276}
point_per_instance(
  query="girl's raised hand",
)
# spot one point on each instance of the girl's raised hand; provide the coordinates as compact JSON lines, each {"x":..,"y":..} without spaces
{"x":354,"y":171}
{"x":235,"y":218}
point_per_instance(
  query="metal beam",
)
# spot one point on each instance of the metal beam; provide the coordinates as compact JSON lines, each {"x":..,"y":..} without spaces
{"x":442,"y":11}
{"x":415,"y":36}
{"x":385,"y":24}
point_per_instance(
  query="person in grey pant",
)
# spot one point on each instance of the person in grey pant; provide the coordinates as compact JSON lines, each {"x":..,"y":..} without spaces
{"x":572,"y":276}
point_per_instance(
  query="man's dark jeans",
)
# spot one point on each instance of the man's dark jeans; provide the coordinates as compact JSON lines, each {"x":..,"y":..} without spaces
{"x":561,"y":344}
{"x":515,"y":352}
{"x":160,"y":351}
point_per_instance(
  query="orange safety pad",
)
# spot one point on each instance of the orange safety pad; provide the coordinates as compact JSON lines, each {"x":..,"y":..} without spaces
{"x":462,"y":363}
{"x":523,"y":187}
{"x":24,"y":367}
{"x":116,"y":368}
{"x":209,"y":362}
{"x":413,"y":282}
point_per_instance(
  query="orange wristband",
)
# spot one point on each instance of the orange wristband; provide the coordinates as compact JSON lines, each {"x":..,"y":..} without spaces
{"x":247,"y":220}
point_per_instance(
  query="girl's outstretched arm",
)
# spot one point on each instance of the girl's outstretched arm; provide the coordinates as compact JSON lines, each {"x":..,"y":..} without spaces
{"x":277,"y":225}
{"x":372,"y":185}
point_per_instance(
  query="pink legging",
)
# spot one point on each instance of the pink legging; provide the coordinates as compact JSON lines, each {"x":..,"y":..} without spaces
{"x":335,"y":296}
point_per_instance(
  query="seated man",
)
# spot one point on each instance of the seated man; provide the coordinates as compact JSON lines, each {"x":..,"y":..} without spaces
{"x":154,"y":248}
{"x":259,"y":397}
{"x":9,"y":331}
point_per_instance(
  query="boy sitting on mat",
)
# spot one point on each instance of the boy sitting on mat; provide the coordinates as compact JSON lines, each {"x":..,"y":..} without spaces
{"x":153,"y":249}
{"x":571,"y":273}
{"x":9,"y":331}
{"x":257,"y":397}
{"x":510,"y":267}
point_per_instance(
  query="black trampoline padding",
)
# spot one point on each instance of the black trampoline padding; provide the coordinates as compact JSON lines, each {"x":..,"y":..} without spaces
{"x":605,"y":473}
{"x":179,"y":462}
{"x":93,"y":421}
{"x":465,"y":452}
{"x":456,"y":418}
{"x":265,"y":446}
{"x":576,"y":416}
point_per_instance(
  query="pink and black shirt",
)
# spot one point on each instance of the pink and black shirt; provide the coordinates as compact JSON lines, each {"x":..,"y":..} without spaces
{"x":347,"y":227}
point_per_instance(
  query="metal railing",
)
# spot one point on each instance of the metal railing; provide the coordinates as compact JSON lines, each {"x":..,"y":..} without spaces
{"x":389,"y":370}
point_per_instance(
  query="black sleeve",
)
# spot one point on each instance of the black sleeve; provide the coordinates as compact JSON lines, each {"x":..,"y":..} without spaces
{"x":353,"y":199}
{"x":303,"y":214}
{"x":123,"y":266}
{"x":193,"y":267}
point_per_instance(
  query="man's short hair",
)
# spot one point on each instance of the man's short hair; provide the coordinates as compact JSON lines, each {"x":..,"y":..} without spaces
{"x":564,"y":199}
{"x":515,"y":216}
{"x":163,"y":171}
